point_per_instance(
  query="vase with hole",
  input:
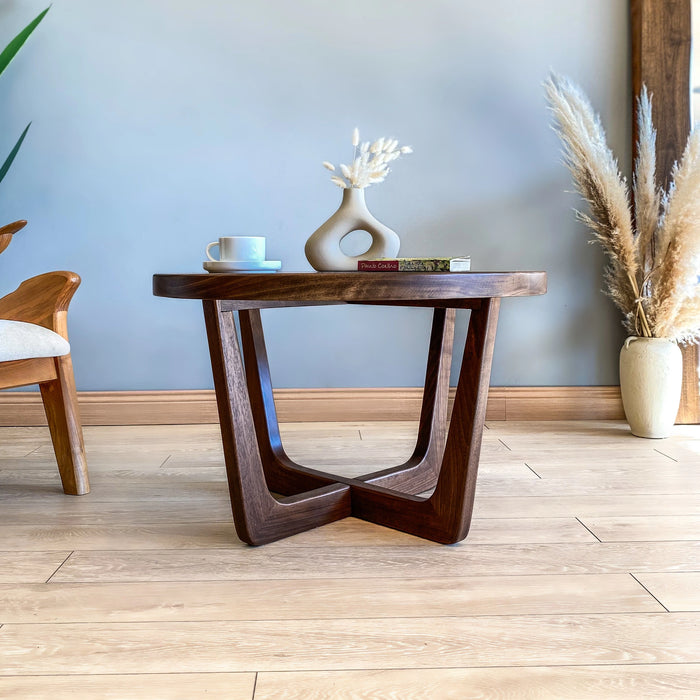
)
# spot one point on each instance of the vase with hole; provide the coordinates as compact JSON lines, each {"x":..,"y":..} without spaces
{"x":651,"y":376}
{"x":323,"y":247}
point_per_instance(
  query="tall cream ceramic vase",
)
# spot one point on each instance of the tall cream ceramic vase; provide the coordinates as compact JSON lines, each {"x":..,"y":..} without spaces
{"x":651,"y":376}
{"x":323,"y":247}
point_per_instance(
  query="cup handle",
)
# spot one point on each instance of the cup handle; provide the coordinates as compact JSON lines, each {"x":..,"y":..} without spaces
{"x":209,"y":247}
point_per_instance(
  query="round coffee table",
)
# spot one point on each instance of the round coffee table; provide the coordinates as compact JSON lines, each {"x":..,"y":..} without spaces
{"x":445,"y":461}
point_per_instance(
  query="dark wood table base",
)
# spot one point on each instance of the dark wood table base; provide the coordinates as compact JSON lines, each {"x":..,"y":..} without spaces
{"x":257,"y":465}
{"x":272,"y":496}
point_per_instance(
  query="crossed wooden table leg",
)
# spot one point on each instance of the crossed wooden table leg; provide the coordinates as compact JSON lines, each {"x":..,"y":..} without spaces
{"x":257,"y":465}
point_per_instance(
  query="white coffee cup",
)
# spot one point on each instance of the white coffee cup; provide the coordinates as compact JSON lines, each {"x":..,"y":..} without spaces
{"x":239,"y":248}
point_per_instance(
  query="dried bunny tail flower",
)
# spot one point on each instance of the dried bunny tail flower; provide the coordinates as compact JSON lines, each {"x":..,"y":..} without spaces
{"x":370,"y":162}
{"x":597,"y":177}
{"x":356,"y":170}
{"x":338,"y":181}
{"x":390,"y":145}
{"x":647,"y":196}
{"x":406,"y":149}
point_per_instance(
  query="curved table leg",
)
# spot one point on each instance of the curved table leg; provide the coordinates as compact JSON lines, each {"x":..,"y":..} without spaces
{"x":259,"y":518}
{"x":419,"y":473}
{"x":282,"y":474}
{"x":446,"y":515}
{"x":443,"y":517}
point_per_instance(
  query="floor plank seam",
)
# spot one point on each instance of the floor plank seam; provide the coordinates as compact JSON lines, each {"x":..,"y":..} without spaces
{"x":689,"y":664}
{"x":59,"y":567}
{"x":589,"y":529}
{"x":102,"y":579}
{"x":495,"y":616}
{"x":364,"y":669}
{"x":650,"y":593}
{"x":665,"y":455}
{"x":532,"y":470}
{"x":143,"y":673}
{"x":255,"y":685}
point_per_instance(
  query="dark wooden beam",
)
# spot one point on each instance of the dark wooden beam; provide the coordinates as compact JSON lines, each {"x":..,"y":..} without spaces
{"x":661,"y":43}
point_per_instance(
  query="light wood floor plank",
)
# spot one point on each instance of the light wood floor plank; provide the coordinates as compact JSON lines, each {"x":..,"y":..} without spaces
{"x":572,"y":682}
{"x":600,"y":485}
{"x":279,"y":561}
{"x":174,"y":686}
{"x":123,"y":537}
{"x":678,"y":592}
{"x":646,"y":469}
{"x":22,"y":447}
{"x":29,"y":567}
{"x":326,"y":645}
{"x":487,"y":487}
{"x":323,"y":599}
{"x":119,"y":491}
{"x":57,"y":510}
{"x":501,"y":465}
{"x":669,"y":527}
{"x":145,"y":462}
{"x":352,"y":532}
{"x":599,"y":505}
{"x":685,"y":451}
{"x":345,"y":533}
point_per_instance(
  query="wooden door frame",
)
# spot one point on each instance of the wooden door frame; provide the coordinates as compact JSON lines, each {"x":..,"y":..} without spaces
{"x":660,"y":43}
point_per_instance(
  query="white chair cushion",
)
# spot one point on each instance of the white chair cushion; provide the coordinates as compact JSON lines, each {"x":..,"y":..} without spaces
{"x":22,"y":341}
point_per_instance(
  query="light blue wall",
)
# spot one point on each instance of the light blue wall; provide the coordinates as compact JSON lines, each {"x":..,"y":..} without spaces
{"x":159,"y":125}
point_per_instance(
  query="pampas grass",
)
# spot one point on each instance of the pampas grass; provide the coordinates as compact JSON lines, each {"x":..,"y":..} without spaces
{"x":371,"y":165}
{"x":653,"y":249}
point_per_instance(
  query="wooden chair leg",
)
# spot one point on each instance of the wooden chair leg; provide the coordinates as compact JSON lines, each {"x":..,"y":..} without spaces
{"x":61,"y":406}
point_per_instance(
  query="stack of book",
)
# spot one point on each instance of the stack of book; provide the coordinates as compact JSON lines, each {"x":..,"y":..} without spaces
{"x":461,"y":264}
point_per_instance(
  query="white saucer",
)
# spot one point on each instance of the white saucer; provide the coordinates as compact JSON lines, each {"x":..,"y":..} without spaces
{"x":242,"y":265}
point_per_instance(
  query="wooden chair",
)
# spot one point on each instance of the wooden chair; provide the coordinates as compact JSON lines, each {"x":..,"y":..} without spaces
{"x":34,"y":349}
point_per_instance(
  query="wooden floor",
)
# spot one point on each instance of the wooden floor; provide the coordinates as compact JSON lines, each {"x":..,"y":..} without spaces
{"x":580,"y":577}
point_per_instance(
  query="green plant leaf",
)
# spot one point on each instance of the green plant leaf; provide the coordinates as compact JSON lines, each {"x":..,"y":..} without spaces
{"x":8,"y":161}
{"x":16,"y":44}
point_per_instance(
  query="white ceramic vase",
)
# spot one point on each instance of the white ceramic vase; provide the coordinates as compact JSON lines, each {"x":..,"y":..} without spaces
{"x":323,"y":247}
{"x":651,"y":376}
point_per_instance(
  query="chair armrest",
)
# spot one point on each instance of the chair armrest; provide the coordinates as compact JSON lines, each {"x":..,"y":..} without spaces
{"x":6,"y":233}
{"x":42,"y":300}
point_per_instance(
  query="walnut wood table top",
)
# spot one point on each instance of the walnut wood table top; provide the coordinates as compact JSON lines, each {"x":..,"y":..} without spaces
{"x":350,"y":287}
